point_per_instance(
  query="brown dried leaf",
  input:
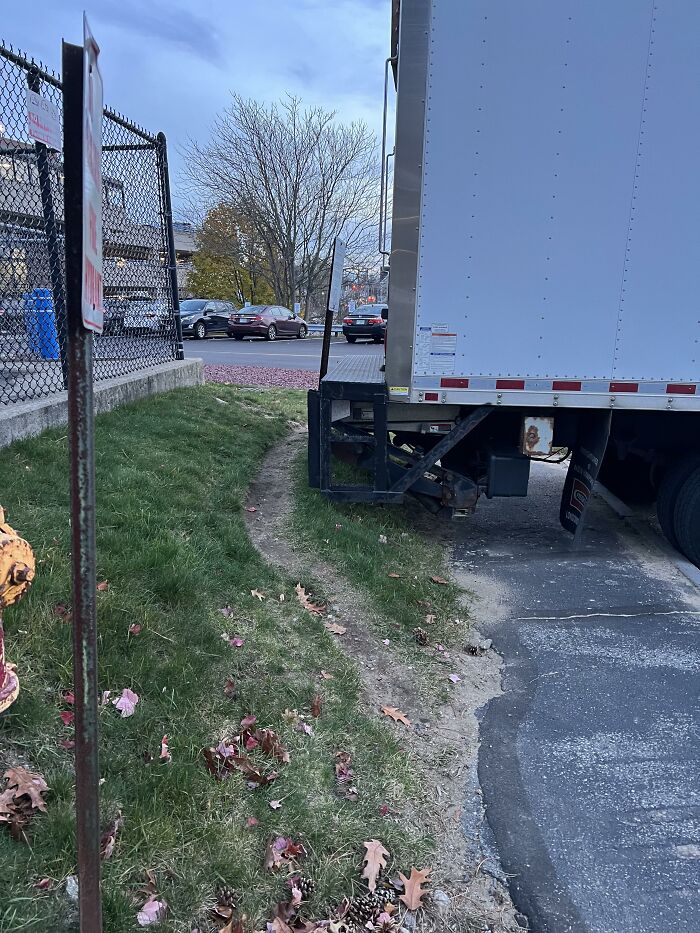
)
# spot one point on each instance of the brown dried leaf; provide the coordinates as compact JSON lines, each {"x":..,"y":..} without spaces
{"x":258,"y":595}
{"x":305,"y":600}
{"x":413,"y":892}
{"x":230,"y":688}
{"x":441,"y":581}
{"x":396,"y":715}
{"x":63,"y":612}
{"x":109,"y":836}
{"x":104,"y":585}
{"x":394,"y":576}
{"x":29,"y":784}
{"x":270,"y":743}
{"x":334,"y":628}
{"x":316,"y":705}
{"x":326,"y":676}
{"x":374,"y":860}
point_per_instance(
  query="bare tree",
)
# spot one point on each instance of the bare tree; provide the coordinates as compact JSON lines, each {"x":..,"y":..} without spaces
{"x":296,"y":178}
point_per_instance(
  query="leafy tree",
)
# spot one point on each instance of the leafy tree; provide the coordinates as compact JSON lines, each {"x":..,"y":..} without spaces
{"x":230,"y":263}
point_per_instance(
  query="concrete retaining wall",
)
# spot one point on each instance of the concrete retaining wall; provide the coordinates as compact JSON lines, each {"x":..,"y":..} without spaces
{"x":27,"y":419}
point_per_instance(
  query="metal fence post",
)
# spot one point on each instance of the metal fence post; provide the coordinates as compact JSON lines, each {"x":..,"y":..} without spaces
{"x":81,"y":428}
{"x":52,"y":240}
{"x":162,"y":155}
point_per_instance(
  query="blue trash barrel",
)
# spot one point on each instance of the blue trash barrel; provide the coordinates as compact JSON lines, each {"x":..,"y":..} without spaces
{"x":40,"y":321}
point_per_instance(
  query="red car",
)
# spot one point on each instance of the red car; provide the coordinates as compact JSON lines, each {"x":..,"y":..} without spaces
{"x":268,"y":321}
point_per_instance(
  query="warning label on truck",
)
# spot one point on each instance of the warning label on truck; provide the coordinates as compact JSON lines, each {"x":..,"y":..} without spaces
{"x":436,"y":350}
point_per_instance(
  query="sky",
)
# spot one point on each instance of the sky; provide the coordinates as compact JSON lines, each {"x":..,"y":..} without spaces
{"x":172,"y":65}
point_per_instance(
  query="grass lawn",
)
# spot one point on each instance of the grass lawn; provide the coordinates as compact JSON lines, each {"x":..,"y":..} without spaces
{"x":172,"y":474}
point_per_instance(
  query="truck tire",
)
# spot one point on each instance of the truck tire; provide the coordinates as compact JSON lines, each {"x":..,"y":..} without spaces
{"x":628,"y":479}
{"x":671,"y":483}
{"x":686,"y":517}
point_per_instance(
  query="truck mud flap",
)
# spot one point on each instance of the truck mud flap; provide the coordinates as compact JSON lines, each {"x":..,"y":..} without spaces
{"x":586,"y":458}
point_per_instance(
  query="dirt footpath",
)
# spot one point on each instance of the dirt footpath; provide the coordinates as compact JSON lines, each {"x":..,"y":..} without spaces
{"x":444,"y":742}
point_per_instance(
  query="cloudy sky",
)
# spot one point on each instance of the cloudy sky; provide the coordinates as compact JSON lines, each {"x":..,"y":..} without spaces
{"x":171,"y":64}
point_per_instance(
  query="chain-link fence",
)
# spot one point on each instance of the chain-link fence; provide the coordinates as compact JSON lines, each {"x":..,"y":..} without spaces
{"x":140,"y":301}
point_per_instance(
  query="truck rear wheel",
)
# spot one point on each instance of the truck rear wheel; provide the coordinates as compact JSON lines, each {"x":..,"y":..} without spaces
{"x":671,"y":484}
{"x":686,"y":517}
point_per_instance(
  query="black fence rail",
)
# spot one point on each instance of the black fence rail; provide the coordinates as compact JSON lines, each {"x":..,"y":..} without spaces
{"x":140,"y":288}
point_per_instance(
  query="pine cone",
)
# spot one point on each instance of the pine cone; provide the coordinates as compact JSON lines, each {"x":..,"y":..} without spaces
{"x":363,"y":908}
{"x":305,"y":885}
{"x":385,"y":896}
{"x":420,"y":635}
{"x":225,"y":896}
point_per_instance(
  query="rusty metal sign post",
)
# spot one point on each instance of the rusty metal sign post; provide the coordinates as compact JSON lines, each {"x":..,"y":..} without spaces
{"x":82,"y":150}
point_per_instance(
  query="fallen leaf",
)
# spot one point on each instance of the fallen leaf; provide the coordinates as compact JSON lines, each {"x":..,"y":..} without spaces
{"x":374,"y":860}
{"x":230,"y":688}
{"x":153,"y":911}
{"x":326,"y":676}
{"x":258,"y":595}
{"x":104,"y":585}
{"x":316,"y":705}
{"x":412,"y":888}
{"x":441,"y":581}
{"x":233,"y":926}
{"x":109,"y":836}
{"x":126,"y":703}
{"x":250,"y":508}
{"x":455,"y":678}
{"x":384,"y":810}
{"x":282,"y":597}
{"x":251,"y":822}
{"x":68,"y":697}
{"x":26,"y":783}
{"x":275,"y":804}
{"x":236,"y":641}
{"x":63,"y":612}
{"x":67,"y":744}
{"x":430,"y":620}
{"x":396,"y":715}
{"x":134,"y":628}
{"x":382,"y":539}
{"x":394,"y":576}
{"x":248,"y":721}
{"x":106,"y":694}
{"x":67,"y":717}
{"x":44,"y":884}
{"x":165,"y":754}
{"x":334,"y":628}
{"x":251,"y":743}
{"x":271,"y":745}
{"x":305,"y":600}
{"x":226,"y":611}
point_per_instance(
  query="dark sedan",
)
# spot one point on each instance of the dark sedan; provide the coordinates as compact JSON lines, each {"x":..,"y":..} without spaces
{"x":203,"y":317}
{"x":268,"y":321}
{"x":366,"y":321}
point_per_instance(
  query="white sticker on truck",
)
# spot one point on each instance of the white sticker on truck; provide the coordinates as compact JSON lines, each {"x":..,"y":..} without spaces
{"x":436,"y":350}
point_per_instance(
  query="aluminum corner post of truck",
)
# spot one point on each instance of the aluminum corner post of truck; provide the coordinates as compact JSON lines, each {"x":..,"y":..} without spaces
{"x":544,"y":260}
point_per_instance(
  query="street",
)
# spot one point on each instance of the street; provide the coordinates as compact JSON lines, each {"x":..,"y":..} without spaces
{"x":590,"y":760}
{"x":280,"y":354}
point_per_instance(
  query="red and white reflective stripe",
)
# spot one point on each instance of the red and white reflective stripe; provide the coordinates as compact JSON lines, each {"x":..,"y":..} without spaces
{"x":597,"y":386}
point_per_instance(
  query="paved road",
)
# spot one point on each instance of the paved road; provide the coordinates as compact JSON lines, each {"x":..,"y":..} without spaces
{"x":281,"y":354}
{"x":590,"y":761}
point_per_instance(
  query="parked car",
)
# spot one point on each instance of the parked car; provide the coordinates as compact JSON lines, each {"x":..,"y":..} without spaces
{"x":142,"y":315}
{"x":268,"y":321}
{"x":366,"y":321}
{"x":201,"y":317}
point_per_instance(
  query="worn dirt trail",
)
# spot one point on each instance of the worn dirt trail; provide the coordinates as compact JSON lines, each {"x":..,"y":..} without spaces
{"x":442,"y":745}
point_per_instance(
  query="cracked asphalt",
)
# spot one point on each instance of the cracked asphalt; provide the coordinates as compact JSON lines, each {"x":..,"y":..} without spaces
{"x":590,"y":760}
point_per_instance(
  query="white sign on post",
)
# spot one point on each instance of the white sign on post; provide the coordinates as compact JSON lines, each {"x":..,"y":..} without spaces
{"x":297,"y":307}
{"x":92,"y":302}
{"x":336,"y":275}
{"x":43,"y":121}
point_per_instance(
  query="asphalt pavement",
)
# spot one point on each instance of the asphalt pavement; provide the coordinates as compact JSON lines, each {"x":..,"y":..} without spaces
{"x":590,"y":760}
{"x":278,"y":354}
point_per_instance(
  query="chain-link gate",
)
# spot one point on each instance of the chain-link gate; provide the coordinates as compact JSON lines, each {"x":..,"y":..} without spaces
{"x":140,"y":289}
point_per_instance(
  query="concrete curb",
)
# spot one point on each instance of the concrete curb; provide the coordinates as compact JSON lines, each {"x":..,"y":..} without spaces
{"x":27,"y":419}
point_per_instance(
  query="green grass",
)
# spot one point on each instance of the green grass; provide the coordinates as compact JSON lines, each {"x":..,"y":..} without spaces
{"x":351,"y":538}
{"x":172,"y":472}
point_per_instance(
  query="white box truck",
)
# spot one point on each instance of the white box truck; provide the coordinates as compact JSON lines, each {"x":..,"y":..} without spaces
{"x":544,"y":284}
